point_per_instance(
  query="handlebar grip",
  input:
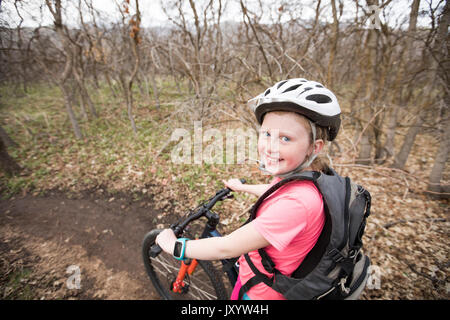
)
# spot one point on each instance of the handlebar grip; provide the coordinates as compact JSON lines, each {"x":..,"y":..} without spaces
{"x":155,"y":250}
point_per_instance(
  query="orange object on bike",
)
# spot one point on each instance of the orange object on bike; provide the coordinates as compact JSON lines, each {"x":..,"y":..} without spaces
{"x":178,"y":284}
{"x":192,"y":266}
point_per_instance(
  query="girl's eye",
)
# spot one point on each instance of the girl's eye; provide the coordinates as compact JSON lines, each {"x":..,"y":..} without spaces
{"x":285,"y":139}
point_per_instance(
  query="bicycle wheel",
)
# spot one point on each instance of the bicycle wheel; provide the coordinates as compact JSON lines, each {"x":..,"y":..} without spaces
{"x":204,"y":284}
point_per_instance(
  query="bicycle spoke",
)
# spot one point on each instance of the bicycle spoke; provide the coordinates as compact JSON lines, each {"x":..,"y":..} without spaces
{"x":206,"y":295}
{"x":167,"y":265}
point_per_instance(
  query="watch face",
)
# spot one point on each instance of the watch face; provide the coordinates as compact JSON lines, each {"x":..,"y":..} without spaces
{"x":177,"y":249}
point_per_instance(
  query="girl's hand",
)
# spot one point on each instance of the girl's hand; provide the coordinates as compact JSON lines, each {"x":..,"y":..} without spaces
{"x":234,"y":184}
{"x":166,"y":240}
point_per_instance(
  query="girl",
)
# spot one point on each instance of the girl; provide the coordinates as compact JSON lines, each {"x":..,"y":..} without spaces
{"x":296,"y":117}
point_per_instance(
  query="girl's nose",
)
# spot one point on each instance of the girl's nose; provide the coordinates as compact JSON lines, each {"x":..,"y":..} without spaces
{"x":273,"y":146}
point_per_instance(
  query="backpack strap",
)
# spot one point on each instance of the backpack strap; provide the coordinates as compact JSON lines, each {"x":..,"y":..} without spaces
{"x":335,"y":253}
{"x":348,"y":262}
{"x":298,"y":177}
{"x":256,"y":279}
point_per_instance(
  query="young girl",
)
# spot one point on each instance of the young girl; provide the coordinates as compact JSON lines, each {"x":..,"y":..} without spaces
{"x":296,"y":118}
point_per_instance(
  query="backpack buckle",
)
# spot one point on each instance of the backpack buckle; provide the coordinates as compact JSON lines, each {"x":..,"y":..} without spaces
{"x":336,"y":255}
{"x":352,"y":253}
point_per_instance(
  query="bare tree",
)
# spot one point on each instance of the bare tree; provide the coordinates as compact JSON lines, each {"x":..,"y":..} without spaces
{"x":367,"y":107}
{"x":334,"y":43}
{"x":441,"y":53}
{"x":62,"y":77}
{"x":433,"y":60}
{"x":127,"y":82}
{"x":400,"y":76}
{"x":194,"y":53}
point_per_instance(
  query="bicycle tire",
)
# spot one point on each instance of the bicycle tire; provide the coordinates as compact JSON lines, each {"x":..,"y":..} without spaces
{"x":205,"y":283}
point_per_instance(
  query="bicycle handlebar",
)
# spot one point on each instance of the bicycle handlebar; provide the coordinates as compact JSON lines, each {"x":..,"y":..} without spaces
{"x":178,"y":228}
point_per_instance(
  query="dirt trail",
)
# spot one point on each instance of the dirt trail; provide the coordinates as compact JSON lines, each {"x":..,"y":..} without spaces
{"x":40,"y":237}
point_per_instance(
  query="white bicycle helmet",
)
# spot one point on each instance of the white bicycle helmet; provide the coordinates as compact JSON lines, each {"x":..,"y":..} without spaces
{"x":308,"y":98}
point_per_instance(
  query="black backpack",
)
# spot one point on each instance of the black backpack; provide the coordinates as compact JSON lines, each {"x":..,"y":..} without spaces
{"x":335,"y":268}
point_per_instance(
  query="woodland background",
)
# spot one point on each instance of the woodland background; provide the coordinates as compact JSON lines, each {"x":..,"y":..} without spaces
{"x":89,"y":102}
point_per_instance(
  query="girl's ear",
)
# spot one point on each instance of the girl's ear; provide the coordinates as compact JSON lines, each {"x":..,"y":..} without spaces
{"x":318,"y":146}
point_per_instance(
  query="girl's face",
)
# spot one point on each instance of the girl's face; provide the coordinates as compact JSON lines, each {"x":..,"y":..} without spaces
{"x":284,"y":141}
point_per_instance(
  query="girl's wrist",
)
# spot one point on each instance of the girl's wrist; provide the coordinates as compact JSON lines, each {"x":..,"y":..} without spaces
{"x":243,"y":188}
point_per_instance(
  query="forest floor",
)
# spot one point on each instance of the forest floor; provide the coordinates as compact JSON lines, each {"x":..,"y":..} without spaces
{"x":84,"y":206}
{"x":41,"y":237}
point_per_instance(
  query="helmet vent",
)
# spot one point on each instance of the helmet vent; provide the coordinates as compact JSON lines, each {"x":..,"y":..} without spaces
{"x":319,"y":86}
{"x":267,"y":92}
{"x":281,"y":83}
{"x":292,"y":88}
{"x":319,"y":98}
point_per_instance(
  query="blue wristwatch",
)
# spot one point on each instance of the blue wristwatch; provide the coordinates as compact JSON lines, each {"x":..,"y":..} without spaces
{"x":180,"y":248}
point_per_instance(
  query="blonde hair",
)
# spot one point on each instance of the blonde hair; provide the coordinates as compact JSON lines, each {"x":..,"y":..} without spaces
{"x":320,"y":163}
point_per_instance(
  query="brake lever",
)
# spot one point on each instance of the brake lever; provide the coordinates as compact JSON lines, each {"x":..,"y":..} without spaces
{"x":154,"y":251}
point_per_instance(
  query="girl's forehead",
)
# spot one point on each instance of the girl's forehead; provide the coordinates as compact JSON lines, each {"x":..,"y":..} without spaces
{"x":285,"y":122}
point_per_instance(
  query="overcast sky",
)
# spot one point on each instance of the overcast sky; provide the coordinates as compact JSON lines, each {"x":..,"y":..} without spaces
{"x":34,"y":12}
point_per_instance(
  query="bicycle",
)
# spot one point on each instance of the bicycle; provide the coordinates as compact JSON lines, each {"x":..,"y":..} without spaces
{"x":176,"y":280}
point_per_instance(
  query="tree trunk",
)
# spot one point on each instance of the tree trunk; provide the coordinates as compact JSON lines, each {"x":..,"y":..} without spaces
{"x":127,"y":87}
{"x":403,"y":154}
{"x":397,"y":88}
{"x":370,"y":83}
{"x":441,"y":160}
{"x":365,"y":150}
{"x":111,"y":85}
{"x":334,"y":41}
{"x":56,"y":10}
{"x":129,"y":98}
{"x":6,"y":138}
{"x":127,"y":84}
{"x":366,"y":114}
{"x":380,"y":151}
{"x":82,"y":102}
{"x":7,"y":164}
{"x":87,"y":98}
{"x":154,"y":85}
{"x":73,"y":120}
{"x":79,"y":77}
{"x":443,"y":74}
{"x":389,"y":145}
